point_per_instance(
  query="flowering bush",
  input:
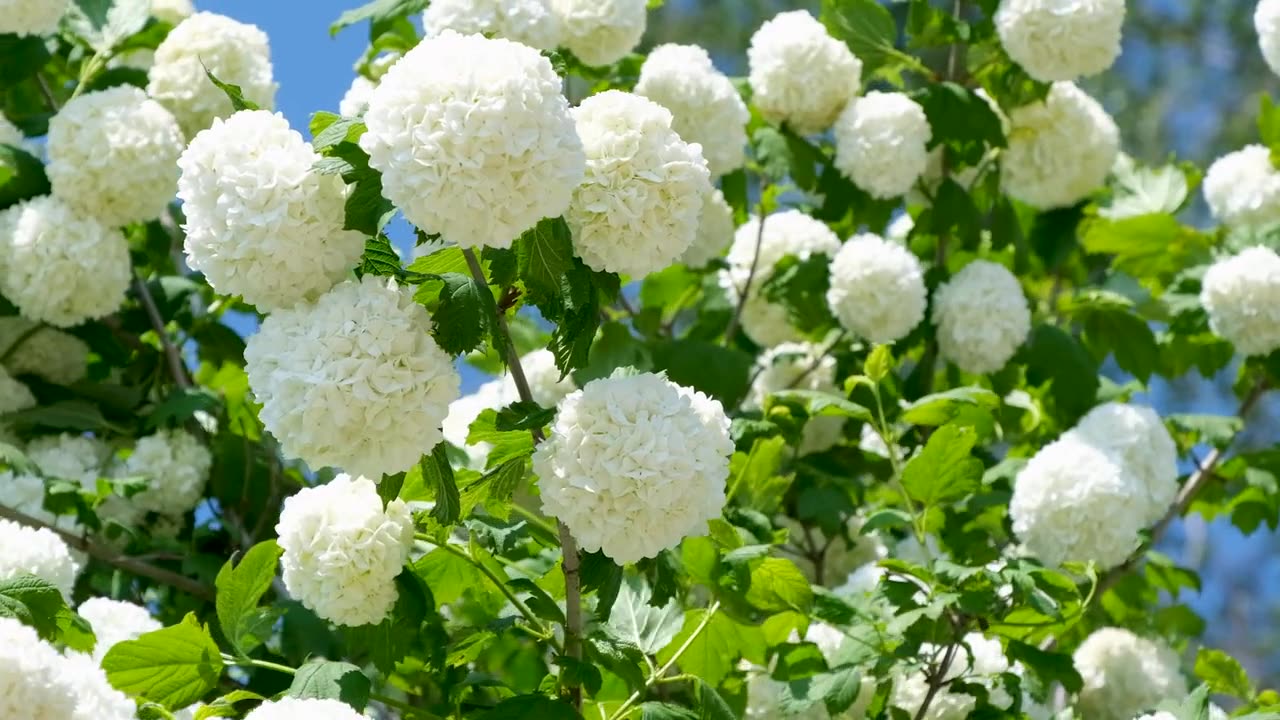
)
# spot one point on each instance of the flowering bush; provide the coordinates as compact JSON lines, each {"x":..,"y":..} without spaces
{"x":823,"y":392}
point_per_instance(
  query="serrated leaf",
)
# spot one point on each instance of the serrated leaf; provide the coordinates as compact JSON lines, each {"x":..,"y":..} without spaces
{"x":635,"y":621}
{"x":105,"y":23}
{"x":941,"y":408}
{"x":240,"y":587}
{"x":778,"y":585}
{"x":462,"y":318}
{"x":1223,"y":673}
{"x":437,"y":474}
{"x":544,"y":255}
{"x":327,"y":680}
{"x":944,"y":471}
{"x":715,"y":651}
{"x":1053,"y":355}
{"x":380,"y":258}
{"x":33,"y":602}
{"x":174,"y":666}
{"x":865,"y":26}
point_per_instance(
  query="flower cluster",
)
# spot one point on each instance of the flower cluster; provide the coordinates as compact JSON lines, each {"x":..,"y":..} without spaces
{"x":1137,"y":438}
{"x":176,"y":466}
{"x":982,"y":317}
{"x":30,"y":349}
{"x":799,"y":74}
{"x":545,"y":383}
{"x":976,"y":660}
{"x":715,"y":231}
{"x":882,"y":143}
{"x":36,"y":552}
{"x":32,"y":17}
{"x":32,"y":683}
{"x":1266,"y":20}
{"x":530,"y":22}
{"x":1243,"y":188}
{"x":601,"y":32}
{"x":96,"y":699}
{"x":1125,"y":674}
{"x":877,"y":289}
{"x":1054,"y":41}
{"x":114,"y":621}
{"x":1239,"y":293}
{"x":799,"y":366}
{"x":289,"y":708}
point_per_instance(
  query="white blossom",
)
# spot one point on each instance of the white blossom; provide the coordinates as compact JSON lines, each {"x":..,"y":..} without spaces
{"x":789,"y":232}
{"x":638,"y":207}
{"x":705,"y":106}
{"x":877,"y":289}
{"x":11,"y":134}
{"x":464,"y":411}
{"x":343,"y":551}
{"x":881,"y":143}
{"x":14,"y":395}
{"x":176,"y":466}
{"x":51,"y":354}
{"x":634,"y":464}
{"x":529,"y":22}
{"x":1243,"y":188}
{"x":32,"y":685}
{"x":1060,"y":149}
{"x":765,"y":695}
{"x":799,"y":74}
{"x":234,"y":52}
{"x":1266,"y":20}
{"x":1239,"y":293}
{"x":543,"y":377}
{"x":1061,"y":39}
{"x":32,"y":17}
{"x":289,"y":708}
{"x":601,"y":32}
{"x":982,"y":317}
{"x":715,"y":231}
{"x":356,"y":100}
{"x":1075,"y":502}
{"x":474,"y":139}
{"x":78,"y":458}
{"x":799,"y":366}
{"x":172,"y":11}
{"x":24,"y":492}
{"x":261,"y":222}
{"x":375,"y":389}
{"x":59,"y":267}
{"x":977,"y":660}
{"x":1124,"y":674}
{"x":41,"y":552}
{"x":96,"y":699}
{"x":1139,"y":439}
{"x":113,"y":155}
{"x":114,"y":621}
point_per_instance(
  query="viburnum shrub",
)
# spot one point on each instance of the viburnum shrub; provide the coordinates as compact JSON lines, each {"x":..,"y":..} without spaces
{"x":814,"y":393}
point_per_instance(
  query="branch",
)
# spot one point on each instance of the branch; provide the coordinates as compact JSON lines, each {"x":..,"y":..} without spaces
{"x":746,"y":289}
{"x":937,"y":680}
{"x":177,"y":367}
{"x":114,"y":558}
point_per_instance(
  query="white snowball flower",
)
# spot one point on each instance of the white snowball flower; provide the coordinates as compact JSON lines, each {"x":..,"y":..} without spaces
{"x":982,"y":317}
{"x":1136,"y":435}
{"x":1074,"y":501}
{"x":474,"y":139}
{"x":789,"y":232}
{"x":96,"y":699}
{"x":1243,"y":188}
{"x":59,"y":267}
{"x":11,"y":134}
{"x":289,"y":708}
{"x":356,"y":100}
{"x":31,"y":17}
{"x":861,"y":581}
{"x":342,"y":551}
{"x":1266,"y":20}
{"x":32,"y":684}
{"x":77,"y":458}
{"x":14,"y":395}
{"x":765,"y":695}
{"x":601,"y":32}
{"x":1061,"y":39}
{"x":113,"y":155}
{"x":376,"y":386}
{"x":705,"y":106}
{"x":36,"y":552}
{"x":529,"y":22}
{"x":25,"y":493}
{"x":261,"y":223}
{"x":236,"y":53}
{"x":1060,"y":149}
{"x":799,"y":366}
{"x":1239,"y":295}
{"x":877,"y":289}
{"x":638,"y":207}
{"x":799,"y":74}
{"x":464,"y":411}
{"x":176,"y":466}
{"x":881,"y":143}
{"x":715,"y":231}
{"x":634,"y":464}
{"x":32,"y":349}
{"x":1162,"y":715}
{"x":977,"y":660}
{"x":114,"y":621}
{"x":172,"y":11}
{"x":543,"y":377}
{"x":1125,"y":674}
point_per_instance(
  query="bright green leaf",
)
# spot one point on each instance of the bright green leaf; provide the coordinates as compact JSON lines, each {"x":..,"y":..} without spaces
{"x":174,"y":666}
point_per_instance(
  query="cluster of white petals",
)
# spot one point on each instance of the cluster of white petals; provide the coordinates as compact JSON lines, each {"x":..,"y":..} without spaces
{"x":261,"y":222}
{"x":1054,"y":40}
{"x":176,"y":466}
{"x":236,"y":53}
{"x":77,"y":458}
{"x":114,"y":621}
{"x":14,"y":395}
{"x":877,"y":288}
{"x":1137,"y":437}
{"x":882,"y":143}
{"x":353,"y":380}
{"x":715,"y":231}
{"x":464,"y":411}
{"x":529,"y":22}
{"x":545,"y":384}
{"x":705,"y":105}
{"x":1060,"y":149}
{"x":11,"y":134}
{"x":977,"y":660}
{"x":356,"y":100}
{"x":60,"y":267}
{"x":1075,"y":502}
{"x":1125,"y":674}
{"x":32,"y":17}
{"x":474,"y":139}
{"x":24,"y":492}
{"x":982,"y":317}
{"x":289,"y":708}
{"x":54,"y":355}
{"x":799,"y":74}
{"x":96,"y":699}
{"x":601,"y":32}
{"x":765,"y":695}
{"x":113,"y":155}
{"x":36,"y":552}
{"x":638,"y":207}
{"x":789,"y":232}
{"x":1240,"y":295}
{"x":32,"y":684}
{"x":799,"y":366}
{"x":172,"y":11}
{"x":1266,"y":20}
{"x":634,"y":464}
{"x":1243,"y":188}
{"x":343,"y":551}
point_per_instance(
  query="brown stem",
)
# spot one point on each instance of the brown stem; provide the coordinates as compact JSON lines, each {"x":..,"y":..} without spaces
{"x":177,"y":367}
{"x":114,"y":558}
{"x":751,"y":274}
{"x":936,"y":680}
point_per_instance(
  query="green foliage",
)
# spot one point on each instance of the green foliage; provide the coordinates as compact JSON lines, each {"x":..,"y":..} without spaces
{"x":174,"y":667}
{"x":240,"y":588}
{"x":324,"y":679}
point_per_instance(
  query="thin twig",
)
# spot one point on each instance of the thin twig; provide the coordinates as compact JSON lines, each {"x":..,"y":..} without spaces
{"x":500,"y":584}
{"x":751,"y":274}
{"x":662,"y":671}
{"x":47,"y":92}
{"x":937,"y":680}
{"x":114,"y":558}
{"x":177,"y":367}
{"x":26,"y":335}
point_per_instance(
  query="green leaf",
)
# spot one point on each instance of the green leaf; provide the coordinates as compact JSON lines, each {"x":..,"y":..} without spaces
{"x":710,"y":705}
{"x":233,"y":92}
{"x":240,"y":587}
{"x":461,"y":320}
{"x":1223,"y":674}
{"x":527,"y":707}
{"x":800,"y":286}
{"x":390,"y":641}
{"x":174,"y":666}
{"x":225,"y":706}
{"x":1137,"y":190}
{"x":1050,"y":667}
{"x":506,"y":445}
{"x":327,"y":134}
{"x":1269,"y":125}
{"x":22,"y":176}
{"x":714,"y":652}
{"x":1054,"y":356}
{"x":1217,"y":430}
{"x":444,"y":260}
{"x":380,"y":258}
{"x":615,"y":348}
{"x":105,"y":23}
{"x":778,"y":585}
{"x":33,"y":602}
{"x":836,"y":690}
{"x":865,"y":26}
{"x":438,"y":475}
{"x":377,"y":12}
{"x":1110,"y":326}
{"x":755,"y":478}
{"x":65,"y":415}
{"x":962,"y":121}
{"x":818,"y":404}
{"x":665,"y":711}
{"x":448,"y":575}
{"x":944,"y":471}
{"x":326,"y":680}
{"x":941,"y":408}
{"x":635,"y":621}
{"x":722,"y":373}
{"x":1146,"y":246}
{"x":544,"y":255}
{"x":20,"y":58}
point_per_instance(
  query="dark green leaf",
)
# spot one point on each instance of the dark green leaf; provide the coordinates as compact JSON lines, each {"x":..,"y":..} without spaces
{"x":527,"y":707}
{"x":438,"y":474}
{"x":801,"y":286}
{"x":665,"y":711}
{"x":462,"y":319}
{"x":544,"y":256}
{"x":944,"y":471}
{"x":22,"y":176}
{"x":865,"y":26}
{"x":233,"y":92}
{"x":34,"y":602}
{"x":961,"y":120}
{"x":175,"y":666}
{"x":723,"y":373}
{"x":1054,"y":356}
{"x":388,"y":642}
{"x":66,"y":415}
{"x":1049,"y":666}
{"x":377,"y":12}
{"x":326,"y":680}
